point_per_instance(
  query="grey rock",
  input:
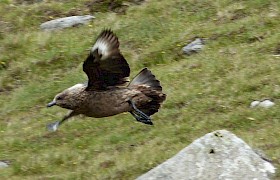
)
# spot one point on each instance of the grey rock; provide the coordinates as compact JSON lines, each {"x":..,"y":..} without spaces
{"x":194,"y":46}
{"x":254,"y":104}
{"x":66,"y":22}
{"x":265,"y":104}
{"x":216,"y":156}
{"x":3,"y":164}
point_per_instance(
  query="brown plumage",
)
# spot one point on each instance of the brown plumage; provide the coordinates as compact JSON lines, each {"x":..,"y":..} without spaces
{"x":108,"y":92}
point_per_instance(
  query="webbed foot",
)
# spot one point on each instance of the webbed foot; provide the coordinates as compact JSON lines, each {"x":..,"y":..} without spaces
{"x":145,"y":120}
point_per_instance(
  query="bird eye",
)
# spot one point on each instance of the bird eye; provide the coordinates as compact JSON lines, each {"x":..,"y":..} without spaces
{"x":59,"y":98}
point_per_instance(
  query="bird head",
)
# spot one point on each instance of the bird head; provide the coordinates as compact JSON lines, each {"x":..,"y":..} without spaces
{"x":68,"y":98}
{"x":61,"y":99}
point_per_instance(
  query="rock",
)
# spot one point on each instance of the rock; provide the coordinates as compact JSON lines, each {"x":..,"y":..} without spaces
{"x":66,"y":22}
{"x":254,"y":104}
{"x":194,"y":46}
{"x":4,"y":164}
{"x":217,"y":155}
{"x":265,"y":103}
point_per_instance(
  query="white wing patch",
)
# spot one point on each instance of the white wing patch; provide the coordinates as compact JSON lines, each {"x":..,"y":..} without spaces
{"x":106,"y":44}
{"x":102,"y":46}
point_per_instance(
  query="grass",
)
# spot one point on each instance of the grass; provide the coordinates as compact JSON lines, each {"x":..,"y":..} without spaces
{"x":206,"y":91}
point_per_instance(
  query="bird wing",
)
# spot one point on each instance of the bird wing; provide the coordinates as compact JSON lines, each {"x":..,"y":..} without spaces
{"x":105,"y":65}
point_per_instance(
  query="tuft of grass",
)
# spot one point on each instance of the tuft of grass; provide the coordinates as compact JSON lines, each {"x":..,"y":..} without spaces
{"x":206,"y":91}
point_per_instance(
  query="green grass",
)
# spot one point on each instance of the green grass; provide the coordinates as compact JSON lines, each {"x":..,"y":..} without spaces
{"x":206,"y":91}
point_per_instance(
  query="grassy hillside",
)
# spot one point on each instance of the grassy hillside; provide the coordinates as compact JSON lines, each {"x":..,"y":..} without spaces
{"x":206,"y":91}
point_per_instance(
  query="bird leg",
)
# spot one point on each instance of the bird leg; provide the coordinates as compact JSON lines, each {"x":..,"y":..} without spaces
{"x":139,"y":115}
{"x":54,"y":126}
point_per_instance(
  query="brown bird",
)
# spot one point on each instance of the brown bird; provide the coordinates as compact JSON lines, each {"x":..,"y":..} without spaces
{"x":108,"y":91}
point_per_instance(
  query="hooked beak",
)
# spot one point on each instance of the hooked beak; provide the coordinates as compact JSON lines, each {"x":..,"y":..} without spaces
{"x":51,"y":104}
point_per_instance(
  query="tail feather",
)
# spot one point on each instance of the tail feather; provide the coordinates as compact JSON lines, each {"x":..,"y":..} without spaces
{"x":145,"y":77}
{"x":147,"y":83}
{"x":157,"y":97}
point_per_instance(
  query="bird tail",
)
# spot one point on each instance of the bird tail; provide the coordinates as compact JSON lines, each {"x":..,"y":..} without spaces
{"x":147,"y":83}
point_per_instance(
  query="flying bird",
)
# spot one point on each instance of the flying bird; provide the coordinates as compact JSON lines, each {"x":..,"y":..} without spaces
{"x":108,"y":91}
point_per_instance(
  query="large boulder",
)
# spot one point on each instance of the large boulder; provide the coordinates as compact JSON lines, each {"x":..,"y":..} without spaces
{"x":217,"y":155}
{"x":66,"y":22}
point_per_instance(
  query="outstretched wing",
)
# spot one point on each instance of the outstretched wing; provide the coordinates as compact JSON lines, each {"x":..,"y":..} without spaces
{"x":105,"y":66}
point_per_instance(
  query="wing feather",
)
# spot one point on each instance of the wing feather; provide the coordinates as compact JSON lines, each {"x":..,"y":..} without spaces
{"x":105,"y":65}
